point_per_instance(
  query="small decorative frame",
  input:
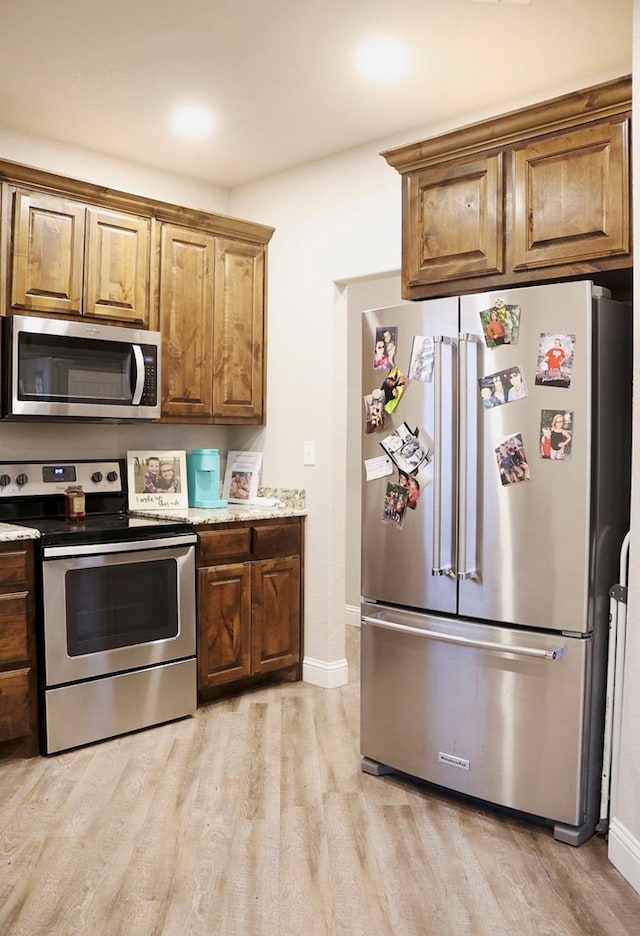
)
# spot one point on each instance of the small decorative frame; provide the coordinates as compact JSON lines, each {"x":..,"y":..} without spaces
{"x":157,"y":480}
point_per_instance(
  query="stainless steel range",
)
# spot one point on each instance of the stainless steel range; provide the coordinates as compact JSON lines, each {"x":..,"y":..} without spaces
{"x":116,"y":608}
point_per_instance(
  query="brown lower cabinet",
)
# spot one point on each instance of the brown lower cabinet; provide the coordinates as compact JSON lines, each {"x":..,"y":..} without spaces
{"x":249,"y":591}
{"x":18,"y":678}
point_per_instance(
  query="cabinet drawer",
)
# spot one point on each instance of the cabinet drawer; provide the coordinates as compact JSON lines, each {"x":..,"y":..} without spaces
{"x":14,"y":645}
{"x":15,"y":720}
{"x":14,"y":566}
{"x":224,"y":544}
{"x":276,"y":539}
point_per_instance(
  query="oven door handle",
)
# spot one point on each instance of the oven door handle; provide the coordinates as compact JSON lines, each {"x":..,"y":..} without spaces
{"x":89,"y":549}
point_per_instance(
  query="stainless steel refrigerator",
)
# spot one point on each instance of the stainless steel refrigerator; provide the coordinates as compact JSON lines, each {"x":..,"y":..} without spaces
{"x":495,"y":497}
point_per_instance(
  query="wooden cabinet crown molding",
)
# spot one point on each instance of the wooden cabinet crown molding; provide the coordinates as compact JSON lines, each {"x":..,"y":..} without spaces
{"x":100,"y":195}
{"x":578,"y":107}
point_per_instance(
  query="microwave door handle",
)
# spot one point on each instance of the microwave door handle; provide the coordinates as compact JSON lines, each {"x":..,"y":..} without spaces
{"x":139,"y":370}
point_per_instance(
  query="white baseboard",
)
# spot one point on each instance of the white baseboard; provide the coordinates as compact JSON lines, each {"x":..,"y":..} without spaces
{"x":326,"y":675}
{"x":353,"y":615}
{"x":624,"y":853}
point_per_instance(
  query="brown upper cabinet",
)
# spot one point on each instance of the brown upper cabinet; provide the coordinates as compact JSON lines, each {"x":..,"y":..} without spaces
{"x":73,"y":248}
{"x":72,"y":259}
{"x":211,"y":300}
{"x":538,"y":194}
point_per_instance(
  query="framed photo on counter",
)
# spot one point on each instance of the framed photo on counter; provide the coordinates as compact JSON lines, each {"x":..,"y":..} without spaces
{"x":157,"y":480}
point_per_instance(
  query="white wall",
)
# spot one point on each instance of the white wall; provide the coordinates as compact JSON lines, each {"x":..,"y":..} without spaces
{"x":89,"y":166}
{"x":624,"y":834}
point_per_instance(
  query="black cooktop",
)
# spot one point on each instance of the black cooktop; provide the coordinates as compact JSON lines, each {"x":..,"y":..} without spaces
{"x":102,"y":528}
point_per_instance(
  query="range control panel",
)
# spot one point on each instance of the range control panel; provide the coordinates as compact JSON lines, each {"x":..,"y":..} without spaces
{"x":30,"y":478}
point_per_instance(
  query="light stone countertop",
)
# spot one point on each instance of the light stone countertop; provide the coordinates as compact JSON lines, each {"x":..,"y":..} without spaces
{"x":10,"y":532}
{"x":292,"y":500}
{"x":292,"y":504}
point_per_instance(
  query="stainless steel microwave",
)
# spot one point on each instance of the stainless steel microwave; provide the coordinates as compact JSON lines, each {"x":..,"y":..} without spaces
{"x":78,"y":370}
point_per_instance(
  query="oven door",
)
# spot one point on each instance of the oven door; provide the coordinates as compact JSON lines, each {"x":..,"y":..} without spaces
{"x":117,"y":607}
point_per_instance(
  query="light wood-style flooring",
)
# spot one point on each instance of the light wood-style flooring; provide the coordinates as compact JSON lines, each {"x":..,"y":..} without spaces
{"x":254,"y":819}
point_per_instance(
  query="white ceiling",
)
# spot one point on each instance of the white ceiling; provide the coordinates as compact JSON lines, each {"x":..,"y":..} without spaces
{"x":280,"y":75}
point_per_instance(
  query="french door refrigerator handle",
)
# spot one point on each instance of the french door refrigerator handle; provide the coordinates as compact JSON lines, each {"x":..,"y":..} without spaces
{"x":552,"y":653}
{"x":437,"y":568}
{"x":463,"y":435}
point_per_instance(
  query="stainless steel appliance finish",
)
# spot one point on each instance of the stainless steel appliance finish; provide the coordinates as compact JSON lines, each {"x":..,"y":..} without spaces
{"x":116,"y":614}
{"x":57,"y":369}
{"x":91,"y":711}
{"x":479,"y":565}
{"x":118,"y":625}
{"x":123,"y":604}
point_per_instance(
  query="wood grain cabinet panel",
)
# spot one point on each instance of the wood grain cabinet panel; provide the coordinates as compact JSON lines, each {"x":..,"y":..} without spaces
{"x":15,"y":705}
{"x":18,"y":685}
{"x":456,"y":221}
{"x":47,"y":253}
{"x":14,"y":625}
{"x":571,"y":196}
{"x":249,"y":612}
{"x":224,"y":624}
{"x":275,"y":614}
{"x":117,"y":267}
{"x":186,"y":321}
{"x":238,"y":349}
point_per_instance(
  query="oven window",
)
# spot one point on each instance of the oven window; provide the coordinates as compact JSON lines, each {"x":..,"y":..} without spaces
{"x":121,"y":605}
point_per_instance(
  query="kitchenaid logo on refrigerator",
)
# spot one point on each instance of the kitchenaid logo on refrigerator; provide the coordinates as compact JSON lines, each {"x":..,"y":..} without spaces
{"x":453,"y":761}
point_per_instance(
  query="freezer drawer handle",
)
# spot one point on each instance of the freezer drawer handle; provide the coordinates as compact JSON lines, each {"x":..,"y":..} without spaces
{"x":555,"y":653}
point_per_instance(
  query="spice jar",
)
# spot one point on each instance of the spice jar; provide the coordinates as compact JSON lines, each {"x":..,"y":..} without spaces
{"x":74,"y":502}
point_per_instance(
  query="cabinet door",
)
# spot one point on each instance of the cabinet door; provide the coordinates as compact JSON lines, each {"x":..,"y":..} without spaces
{"x":47,"y":254}
{"x":186,"y":321}
{"x":224,"y":624}
{"x":117,"y":267}
{"x":454,"y":220}
{"x":18,"y":691}
{"x":238,"y":331}
{"x":275,"y":613}
{"x":571,"y":196}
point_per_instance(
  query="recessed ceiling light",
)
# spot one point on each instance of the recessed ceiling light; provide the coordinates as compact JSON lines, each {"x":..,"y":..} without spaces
{"x":192,"y":122}
{"x":382,"y":59}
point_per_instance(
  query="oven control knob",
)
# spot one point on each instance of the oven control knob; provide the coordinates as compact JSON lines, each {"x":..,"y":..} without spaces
{"x":21,"y":479}
{"x":112,"y":476}
{"x":96,"y":477}
{"x":4,"y":480}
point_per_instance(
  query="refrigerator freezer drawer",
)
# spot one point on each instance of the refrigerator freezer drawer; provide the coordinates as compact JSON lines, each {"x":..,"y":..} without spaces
{"x":489,"y":711}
